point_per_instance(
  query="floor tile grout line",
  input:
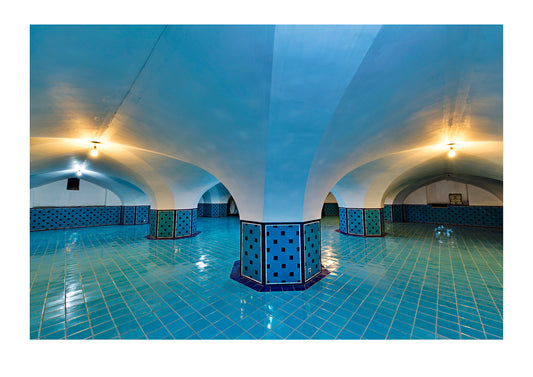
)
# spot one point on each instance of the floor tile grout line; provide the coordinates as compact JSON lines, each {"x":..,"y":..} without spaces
{"x":363,"y":300}
{"x":46,"y":297}
{"x":83,"y":293}
{"x":422,"y":285}
{"x":406,"y":285}
{"x":100,"y":289}
{"x":323,"y":300}
{"x":38,"y":269}
{"x":472,"y":292}
{"x":484,"y":281}
{"x":346,"y":299}
{"x":483,"y":242}
{"x":454,"y":291}
{"x":390,"y":285}
{"x":170,"y":306}
{"x":438,"y":293}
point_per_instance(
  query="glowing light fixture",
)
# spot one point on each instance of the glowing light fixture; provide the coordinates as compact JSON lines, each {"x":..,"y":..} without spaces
{"x":94,"y":151}
{"x":78,"y":173}
{"x":451,"y":152}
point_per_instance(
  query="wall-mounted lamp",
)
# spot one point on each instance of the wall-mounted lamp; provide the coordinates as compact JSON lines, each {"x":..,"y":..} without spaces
{"x":451,"y":152}
{"x":94,"y":151}
{"x":78,"y":173}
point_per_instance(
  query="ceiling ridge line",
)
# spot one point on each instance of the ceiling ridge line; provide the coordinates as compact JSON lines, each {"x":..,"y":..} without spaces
{"x":100,"y":133}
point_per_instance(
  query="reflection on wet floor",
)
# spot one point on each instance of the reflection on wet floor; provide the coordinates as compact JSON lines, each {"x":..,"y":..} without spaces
{"x":420,"y":281}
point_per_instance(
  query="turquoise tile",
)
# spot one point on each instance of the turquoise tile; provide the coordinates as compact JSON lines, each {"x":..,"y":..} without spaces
{"x":368,"y":280}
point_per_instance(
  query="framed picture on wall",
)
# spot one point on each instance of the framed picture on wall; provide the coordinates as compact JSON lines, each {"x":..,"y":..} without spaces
{"x":456,"y":199}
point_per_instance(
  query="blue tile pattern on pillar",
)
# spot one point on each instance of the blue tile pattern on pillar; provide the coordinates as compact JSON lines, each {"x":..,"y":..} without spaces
{"x":183,"y":223}
{"x":128,"y":215}
{"x":355,"y":221}
{"x":373,"y":224}
{"x":153,"y":223}
{"x":200,"y":209}
{"x":165,"y":224}
{"x":343,"y":222}
{"x":214,"y":210}
{"x":311,"y":249}
{"x":194,"y":220}
{"x":397,"y":213}
{"x":331,"y":209}
{"x":141,"y":215}
{"x":387,"y":212}
{"x":251,"y":256}
{"x":222,"y":210}
{"x":283,"y":261}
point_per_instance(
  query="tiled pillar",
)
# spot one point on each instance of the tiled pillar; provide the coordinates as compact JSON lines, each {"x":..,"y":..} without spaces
{"x":212,"y":209}
{"x":173,"y":223}
{"x":364,"y":222}
{"x":387,"y":212}
{"x":279,"y":256}
{"x":131,"y":215}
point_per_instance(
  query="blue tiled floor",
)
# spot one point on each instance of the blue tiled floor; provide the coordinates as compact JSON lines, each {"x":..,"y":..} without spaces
{"x":111,"y":282}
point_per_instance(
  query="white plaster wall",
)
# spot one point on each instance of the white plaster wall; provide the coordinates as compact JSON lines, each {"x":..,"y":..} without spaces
{"x":480,"y":197}
{"x":438,"y":192}
{"x":417,"y":197}
{"x":55,"y":194}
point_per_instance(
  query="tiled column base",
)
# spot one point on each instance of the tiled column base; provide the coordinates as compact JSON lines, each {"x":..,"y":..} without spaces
{"x":212,"y":209}
{"x":363,"y":222}
{"x":279,"y":256}
{"x":173,"y":223}
{"x":393,"y":213}
{"x":133,"y":215}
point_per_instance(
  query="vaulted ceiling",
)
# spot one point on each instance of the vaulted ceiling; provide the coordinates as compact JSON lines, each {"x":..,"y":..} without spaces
{"x":279,"y":114}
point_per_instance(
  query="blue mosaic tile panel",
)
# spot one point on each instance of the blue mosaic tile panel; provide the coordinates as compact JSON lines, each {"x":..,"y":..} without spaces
{"x":214,"y":210}
{"x":141,"y":215}
{"x":417,"y":213}
{"x":387,"y":212}
{"x":251,"y":256}
{"x":165,"y":224}
{"x":343,"y":221}
{"x":283,"y":260}
{"x":355,"y":221}
{"x":373,"y":223}
{"x":438,"y":215}
{"x":458,"y":215}
{"x":183,"y":223}
{"x":194,"y":220}
{"x":200,"y":209}
{"x":222,"y":210}
{"x":207,"y":210}
{"x":488,"y":216}
{"x":312,"y":249}
{"x":128,"y":215}
{"x":153,"y":223}
{"x":73,"y":217}
{"x":331,"y":209}
{"x":397,"y":213}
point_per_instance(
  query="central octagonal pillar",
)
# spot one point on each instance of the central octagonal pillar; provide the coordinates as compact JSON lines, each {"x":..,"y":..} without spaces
{"x":279,"y":256}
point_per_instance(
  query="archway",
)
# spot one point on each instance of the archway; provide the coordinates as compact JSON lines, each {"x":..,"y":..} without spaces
{"x":232,"y":209}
